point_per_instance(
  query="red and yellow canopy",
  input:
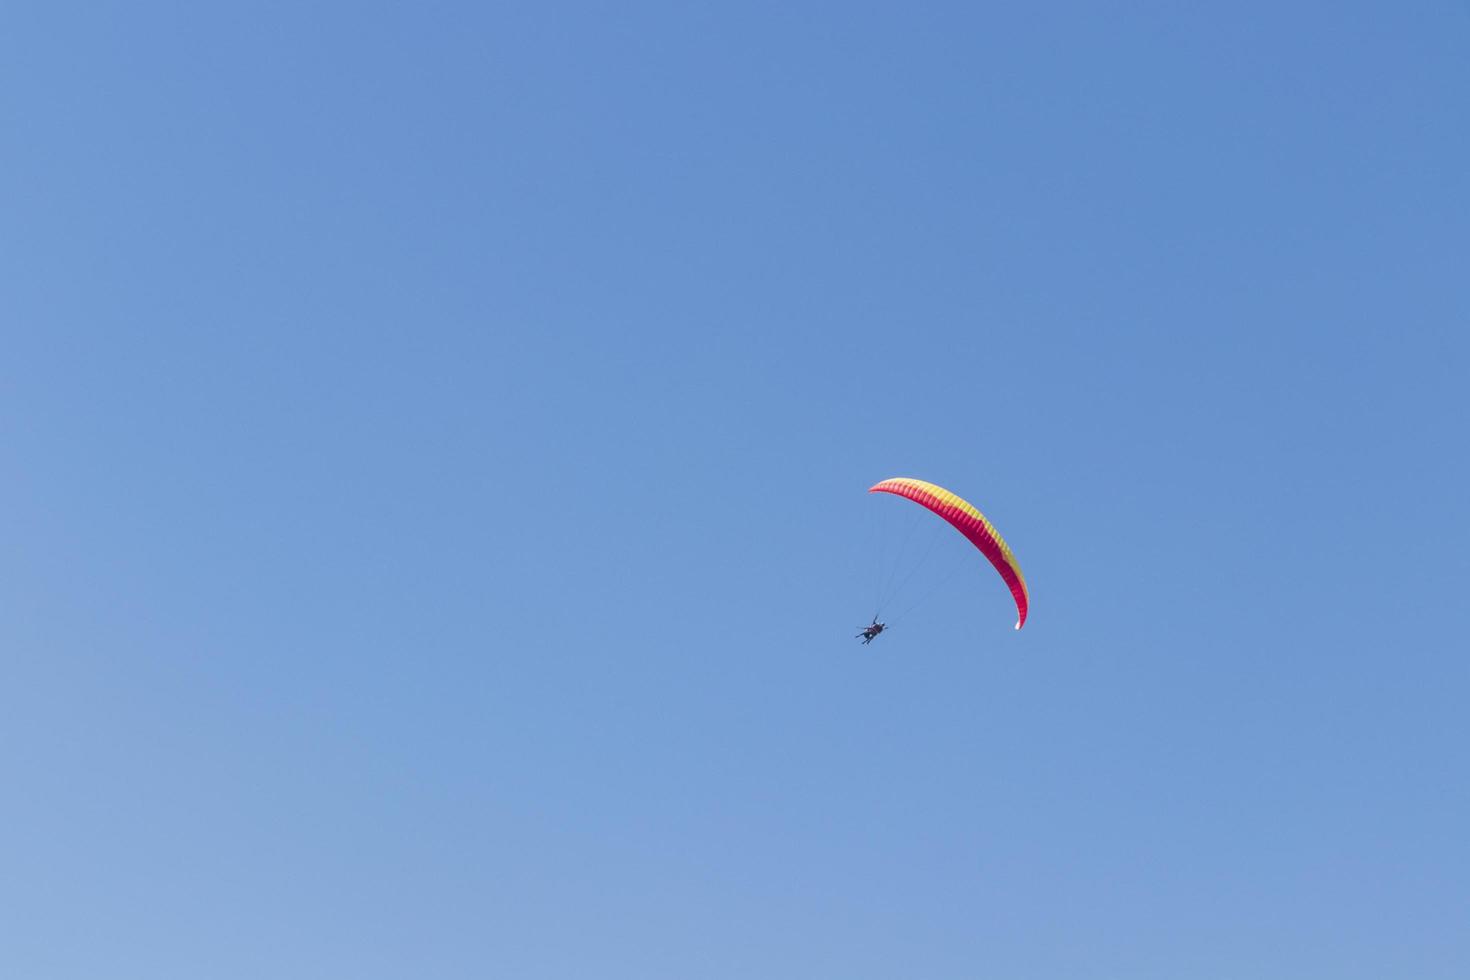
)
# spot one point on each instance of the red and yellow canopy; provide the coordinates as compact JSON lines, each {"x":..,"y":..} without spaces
{"x":972,"y":524}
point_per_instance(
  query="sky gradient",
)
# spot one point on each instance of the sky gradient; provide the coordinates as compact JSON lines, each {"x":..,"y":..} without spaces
{"x":435,"y":443}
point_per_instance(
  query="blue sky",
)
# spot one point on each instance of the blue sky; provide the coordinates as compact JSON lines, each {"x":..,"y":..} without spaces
{"x":435,"y":440}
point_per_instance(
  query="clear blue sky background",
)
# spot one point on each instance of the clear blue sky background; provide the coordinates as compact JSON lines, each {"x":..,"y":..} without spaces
{"x":435,"y":438}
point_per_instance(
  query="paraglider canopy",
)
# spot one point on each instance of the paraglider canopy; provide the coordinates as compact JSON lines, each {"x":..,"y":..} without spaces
{"x":972,"y":524}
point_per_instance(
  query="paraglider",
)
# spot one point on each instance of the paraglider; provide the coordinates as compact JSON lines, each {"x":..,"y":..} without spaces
{"x":871,"y":631}
{"x":966,"y":519}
